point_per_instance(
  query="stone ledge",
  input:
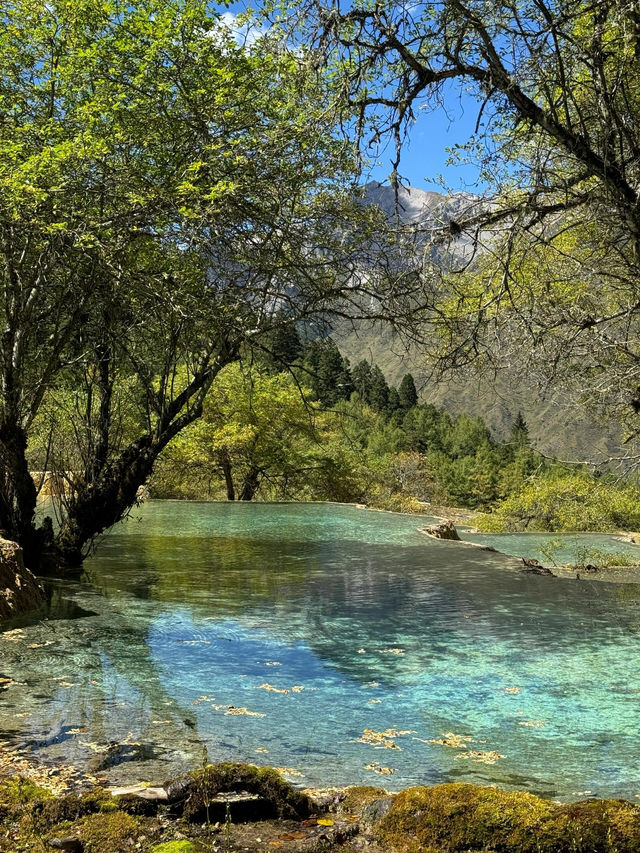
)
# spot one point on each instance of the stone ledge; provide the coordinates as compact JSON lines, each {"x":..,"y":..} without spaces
{"x":20,"y":591}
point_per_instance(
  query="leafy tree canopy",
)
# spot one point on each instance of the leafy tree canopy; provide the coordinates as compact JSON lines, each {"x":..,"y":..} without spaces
{"x":168,"y":198}
{"x":544,"y":270}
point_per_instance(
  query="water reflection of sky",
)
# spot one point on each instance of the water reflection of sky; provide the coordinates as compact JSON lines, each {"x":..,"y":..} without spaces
{"x":202,"y":609}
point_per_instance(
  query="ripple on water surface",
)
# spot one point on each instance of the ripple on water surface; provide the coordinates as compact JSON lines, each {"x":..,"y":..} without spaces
{"x":337,"y":643}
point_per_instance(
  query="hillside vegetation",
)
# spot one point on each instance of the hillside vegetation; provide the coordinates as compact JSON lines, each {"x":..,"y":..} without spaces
{"x":559,"y":424}
{"x":326,"y":430}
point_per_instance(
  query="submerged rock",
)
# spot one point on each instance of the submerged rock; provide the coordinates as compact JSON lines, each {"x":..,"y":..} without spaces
{"x":445,"y":530}
{"x":19,"y":589}
{"x":534,"y":567}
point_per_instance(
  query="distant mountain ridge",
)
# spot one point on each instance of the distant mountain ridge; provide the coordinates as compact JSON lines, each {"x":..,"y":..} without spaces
{"x":557,"y":427}
{"x":415,"y":205}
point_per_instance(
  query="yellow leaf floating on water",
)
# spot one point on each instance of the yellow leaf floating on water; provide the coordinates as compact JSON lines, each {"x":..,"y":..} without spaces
{"x":324,"y":821}
{"x":483,"y":757}
{"x":361,"y":651}
{"x":95,"y":747}
{"x":65,"y":684}
{"x":232,"y":711}
{"x":393,"y":651}
{"x":270,"y":688}
{"x":451,"y":739}
{"x":382,"y":740}
{"x":297,"y":688}
{"x":535,"y":723}
{"x":202,"y":699}
{"x":384,"y":771}
{"x":374,"y":701}
{"x":14,"y":636}
{"x":512,"y":689}
{"x":262,"y":750}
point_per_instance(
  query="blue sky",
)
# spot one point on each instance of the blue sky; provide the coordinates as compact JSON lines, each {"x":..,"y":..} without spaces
{"x":425,"y":157}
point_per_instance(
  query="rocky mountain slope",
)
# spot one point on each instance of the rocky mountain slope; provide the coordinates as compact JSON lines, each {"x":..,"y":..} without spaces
{"x":558,"y":427}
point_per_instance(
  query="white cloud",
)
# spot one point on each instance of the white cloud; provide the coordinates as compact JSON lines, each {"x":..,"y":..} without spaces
{"x":243,"y":31}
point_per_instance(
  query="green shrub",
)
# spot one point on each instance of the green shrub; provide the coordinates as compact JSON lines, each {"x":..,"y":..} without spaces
{"x":567,"y":502}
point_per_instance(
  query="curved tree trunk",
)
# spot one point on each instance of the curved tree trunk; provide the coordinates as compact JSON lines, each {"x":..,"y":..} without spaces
{"x":18,"y":494}
{"x":250,"y":484}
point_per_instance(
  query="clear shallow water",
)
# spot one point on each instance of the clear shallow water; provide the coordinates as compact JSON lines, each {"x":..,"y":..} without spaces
{"x":194,"y":608}
{"x":550,"y":548}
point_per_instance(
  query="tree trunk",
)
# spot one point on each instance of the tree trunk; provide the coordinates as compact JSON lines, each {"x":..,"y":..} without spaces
{"x":225,"y":464}
{"x":102,"y":503}
{"x":250,"y":485}
{"x":105,"y":500}
{"x":19,"y":494}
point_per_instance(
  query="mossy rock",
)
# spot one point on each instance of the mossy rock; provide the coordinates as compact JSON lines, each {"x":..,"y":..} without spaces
{"x":137,"y":805}
{"x":44,"y":814}
{"x":174,"y":847}
{"x":16,"y":792}
{"x":358,"y":796}
{"x":462,"y":817}
{"x":231,"y":777}
{"x":598,"y":825}
{"x":114,"y":832}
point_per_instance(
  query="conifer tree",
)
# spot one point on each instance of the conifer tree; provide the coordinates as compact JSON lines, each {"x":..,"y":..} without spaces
{"x":379,"y":398}
{"x":520,"y":431}
{"x":361,"y":376}
{"x":281,"y":347}
{"x":395,"y":405}
{"x":329,"y":377}
{"x":407,"y":392}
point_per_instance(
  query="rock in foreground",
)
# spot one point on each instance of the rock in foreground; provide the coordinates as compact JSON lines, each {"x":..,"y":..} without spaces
{"x":19,"y":589}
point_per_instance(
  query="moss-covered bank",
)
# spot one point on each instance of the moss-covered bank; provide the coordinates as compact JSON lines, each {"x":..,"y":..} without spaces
{"x":184,"y":815}
{"x":179,"y":818}
{"x":463,"y":817}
